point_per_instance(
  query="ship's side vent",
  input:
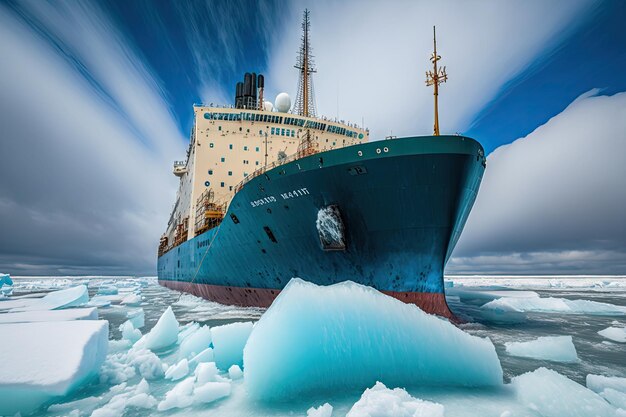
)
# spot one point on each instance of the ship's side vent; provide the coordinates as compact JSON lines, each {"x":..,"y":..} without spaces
{"x":270,"y":234}
{"x":330,"y":228}
{"x":357,"y":170}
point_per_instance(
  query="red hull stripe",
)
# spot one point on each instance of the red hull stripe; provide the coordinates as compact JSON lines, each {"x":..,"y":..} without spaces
{"x":433,"y":303}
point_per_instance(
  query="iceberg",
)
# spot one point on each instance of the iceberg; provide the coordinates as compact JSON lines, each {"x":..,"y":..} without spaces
{"x":5,"y":279}
{"x":70,"y":297}
{"x":598,"y":383}
{"x":380,"y":401}
{"x":555,"y":305}
{"x":616,"y":334}
{"x":196,"y":342}
{"x":549,"y":348}
{"x":164,"y":333}
{"x":39,"y":361}
{"x":553,"y":395}
{"x":228,"y":343}
{"x":348,"y":336}
{"x":53,"y":315}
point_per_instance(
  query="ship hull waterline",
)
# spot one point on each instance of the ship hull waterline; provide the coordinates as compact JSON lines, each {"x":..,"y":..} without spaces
{"x":403,"y":204}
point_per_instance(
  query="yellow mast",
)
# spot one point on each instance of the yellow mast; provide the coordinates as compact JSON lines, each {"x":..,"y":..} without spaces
{"x":434,"y":78}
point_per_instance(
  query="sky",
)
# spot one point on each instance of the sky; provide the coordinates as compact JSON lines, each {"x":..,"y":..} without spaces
{"x":96,"y":103}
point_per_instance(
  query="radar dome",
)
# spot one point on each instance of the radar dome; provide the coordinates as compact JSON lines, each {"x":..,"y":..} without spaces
{"x":268,"y":106}
{"x":282,"y":102}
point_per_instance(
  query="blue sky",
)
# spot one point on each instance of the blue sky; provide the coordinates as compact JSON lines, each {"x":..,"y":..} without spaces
{"x":97,"y":102}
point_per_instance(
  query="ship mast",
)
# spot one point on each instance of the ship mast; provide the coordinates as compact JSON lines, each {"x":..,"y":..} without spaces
{"x":434,"y":78}
{"x":305,"y":101}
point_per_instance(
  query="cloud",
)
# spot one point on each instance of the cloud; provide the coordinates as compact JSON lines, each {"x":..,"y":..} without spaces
{"x":554,"y":200}
{"x":371,"y":56}
{"x":87,"y":141}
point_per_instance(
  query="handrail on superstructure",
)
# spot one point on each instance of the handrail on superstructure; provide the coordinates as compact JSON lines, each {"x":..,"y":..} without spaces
{"x":293,"y":157}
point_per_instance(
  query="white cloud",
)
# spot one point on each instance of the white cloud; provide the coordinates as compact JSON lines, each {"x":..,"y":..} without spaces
{"x":85,"y":172}
{"x":555,"y":199}
{"x":372,"y":56}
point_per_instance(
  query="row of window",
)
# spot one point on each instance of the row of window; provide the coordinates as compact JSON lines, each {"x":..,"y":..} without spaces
{"x":284,"y":132}
{"x":294,"y":121}
{"x":230,"y":146}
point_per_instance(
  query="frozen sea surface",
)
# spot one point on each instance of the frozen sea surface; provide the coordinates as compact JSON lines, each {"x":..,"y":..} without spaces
{"x":121,"y":389}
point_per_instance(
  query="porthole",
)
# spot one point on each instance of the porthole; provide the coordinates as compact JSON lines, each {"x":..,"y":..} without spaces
{"x":206,"y":183}
{"x":378,"y":150}
{"x":360,"y":135}
{"x":360,"y":153}
{"x":386,"y":149}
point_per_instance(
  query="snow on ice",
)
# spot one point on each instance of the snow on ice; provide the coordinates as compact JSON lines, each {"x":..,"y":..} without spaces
{"x":554,"y":395}
{"x":616,"y":334}
{"x":228,"y":343}
{"x":550,"y":348}
{"x":53,"y":315}
{"x":39,"y":361}
{"x":346,"y":335}
{"x":380,"y":401}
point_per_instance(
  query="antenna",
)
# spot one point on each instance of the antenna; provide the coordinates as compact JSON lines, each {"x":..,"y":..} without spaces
{"x":434,"y":78}
{"x":305,"y":99}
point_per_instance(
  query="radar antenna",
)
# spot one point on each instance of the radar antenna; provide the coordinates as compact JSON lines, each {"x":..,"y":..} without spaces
{"x":305,"y":99}
{"x":434,"y":78}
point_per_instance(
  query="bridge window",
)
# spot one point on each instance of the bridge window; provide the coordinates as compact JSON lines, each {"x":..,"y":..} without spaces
{"x":210,"y":172}
{"x":230,"y":173}
{"x":222,"y":184}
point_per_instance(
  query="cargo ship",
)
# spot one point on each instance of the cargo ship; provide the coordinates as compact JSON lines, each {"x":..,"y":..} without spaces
{"x":269,"y":192}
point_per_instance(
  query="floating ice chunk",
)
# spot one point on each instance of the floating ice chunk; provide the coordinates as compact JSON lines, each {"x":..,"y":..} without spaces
{"x":205,"y":356}
{"x":178,"y":370}
{"x":235,"y":372}
{"x":207,"y":372}
{"x":136,"y":317}
{"x":550,"y":348}
{"x":380,"y":401}
{"x":180,"y":396}
{"x":211,"y":391}
{"x":132,"y":300}
{"x":599,"y":383}
{"x":138,"y":397}
{"x":316,"y":338}
{"x":616,"y":334}
{"x":5,"y":279}
{"x":116,"y":346}
{"x":53,"y":315}
{"x":39,"y":361}
{"x":616,"y":398}
{"x":555,"y":305}
{"x":98,"y":302}
{"x":553,"y":395}
{"x":484,"y":295}
{"x":142,"y":400}
{"x":107,"y":290}
{"x":325,"y":410}
{"x":196,"y":342}
{"x":122,"y":366}
{"x":70,"y":297}
{"x":163,"y":334}
{"x":228,"y":343}
{"x":85,"y":405}
{"x":129,"y":332}
{"x":146,"y":363}
{"x":330,"y":227}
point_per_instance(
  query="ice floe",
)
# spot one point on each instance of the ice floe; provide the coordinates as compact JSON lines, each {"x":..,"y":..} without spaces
{"x":555,"y":305}
{"x":554,"y":395}
{"x":164,"y":333}
{"x":228,"y":343}
{"x":346,"y":335}
{"x":53,"y":315}
{"x":69,"y":297}
{"x":616,"y":334}
{"x":136,"y":317}
{"x":598,"y":383}
{"x":550,"y":348}
{"x":132,"y":300}
{"x":204,"y":387}
{"x":178,"y":371}
{"x":39,"y":361}
{"x":380,"y":401}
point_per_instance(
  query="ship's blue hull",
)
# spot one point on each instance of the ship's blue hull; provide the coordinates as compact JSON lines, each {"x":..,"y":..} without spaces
{"x":403,"y":204}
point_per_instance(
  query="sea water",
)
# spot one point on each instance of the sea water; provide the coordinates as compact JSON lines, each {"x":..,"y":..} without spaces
{"x":596,"y":354}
